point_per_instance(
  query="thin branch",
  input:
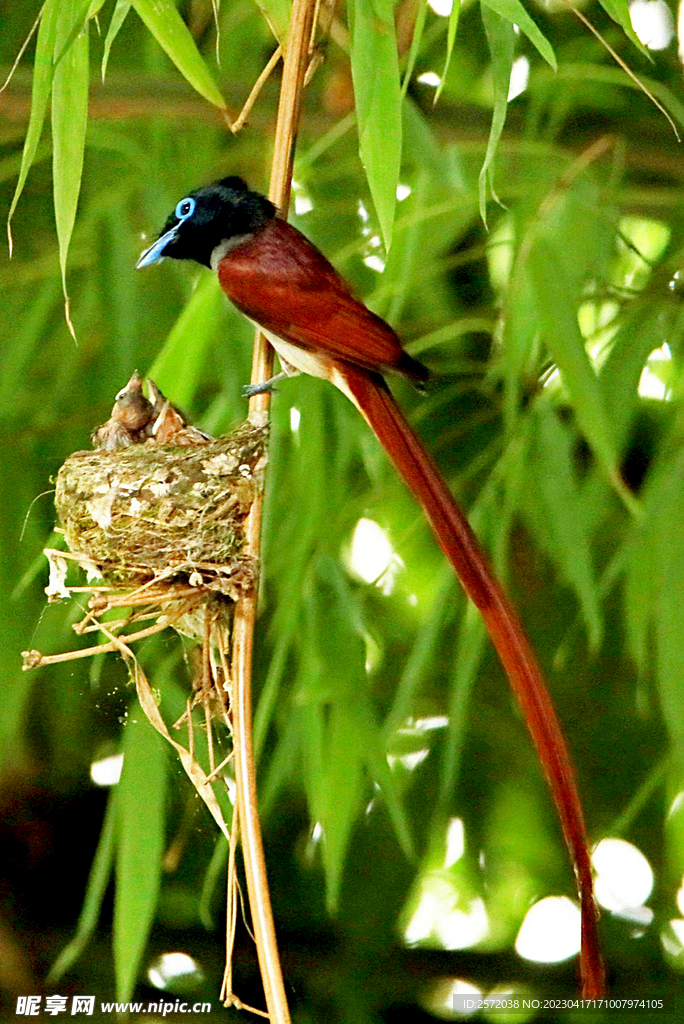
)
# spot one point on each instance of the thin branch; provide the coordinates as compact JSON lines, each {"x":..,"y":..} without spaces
{"x":294,"y":68}
{"x":22,"y":50}
{"x":256,"y":89}
{"x":34,"y":659}
{"x":626,"y":68}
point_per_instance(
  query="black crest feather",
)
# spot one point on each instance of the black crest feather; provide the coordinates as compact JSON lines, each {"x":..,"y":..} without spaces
{"x":236,"y":183}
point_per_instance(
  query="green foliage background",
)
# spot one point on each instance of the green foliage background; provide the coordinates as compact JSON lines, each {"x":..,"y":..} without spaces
{"x":538,"y":329}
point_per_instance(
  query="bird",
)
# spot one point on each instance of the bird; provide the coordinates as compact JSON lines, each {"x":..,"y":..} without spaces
{"x":282,"y":282}
{"x":136,"y":419}
{"x":129,"y":422}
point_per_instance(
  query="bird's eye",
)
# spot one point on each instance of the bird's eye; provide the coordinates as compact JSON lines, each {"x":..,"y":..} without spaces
{"x":185,"y":209}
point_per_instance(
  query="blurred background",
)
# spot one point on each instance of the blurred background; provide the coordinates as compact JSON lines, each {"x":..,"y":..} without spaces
{"x":412,"y":848}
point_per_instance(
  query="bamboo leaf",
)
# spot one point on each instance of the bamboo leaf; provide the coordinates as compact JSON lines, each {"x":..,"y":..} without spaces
{"x":513,"y":11}
{"x":119,"y":15}
{"x":492,"y":519}
{"x":40,"y":94}
{"x":369,"y":738}
{"x":520,"y":331}
{"x":375,"y":72}
{"x":213,"y":883}
{"x":371,"y":742}
{"x":310,"y":719}
{"x":98,"y":879}
{"x":560,"y":330}
{"x":647,"y":564}
{"x":618,"y":10}
{"x":470,"y":647}
{"x":341,"y":792}
{"x":69,"y":123}
{"x":166,"y":25}
{"x":277,"y":14}
{"x":140,"y":844}
{"x":563,"y":514}
{"x":639,"y":596}
{"x":178,"y":367}
{"x":501,"y":40}
{"x":270,"y":689}
{"x":278,"y":775}
{"x":669,"y":607}
{"x":445,"y":165}
{"x":416,"y":40}
{"x":88,"y":9}
{"x":423,"y":651}
{"x":641,"y":333}
{"x":451,"y":39}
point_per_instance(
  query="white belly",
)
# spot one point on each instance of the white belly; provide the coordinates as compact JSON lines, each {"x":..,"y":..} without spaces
{"x":307,"y":362}
{"x":299,"y":358}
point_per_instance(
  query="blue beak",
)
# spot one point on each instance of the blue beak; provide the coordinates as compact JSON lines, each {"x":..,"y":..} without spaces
{"x":156,"y":250}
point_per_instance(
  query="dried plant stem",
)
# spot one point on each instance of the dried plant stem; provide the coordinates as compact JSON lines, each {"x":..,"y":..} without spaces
{"x":625,"y":67}
{"x":239,"y":121}
{"x":294,"y":68}
{"x":33,"y":659}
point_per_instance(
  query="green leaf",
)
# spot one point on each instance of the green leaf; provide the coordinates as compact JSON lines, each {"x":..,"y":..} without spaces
{"x":638,"y":598}
{"x":340,"y":791}
{"x":407,"y":256}
{"x":491,"y":518}
{"x":213,"y":884}
{"x":451,"y":39}
{"x":642,"y":332}
{"x":416,"y":40}
{"x":445,"y":165}
{"x":513,"y":11}
{"x":88,"y":9}
{"x":423,"y":652}
{"x":375,"y":753}
{"x":140,"y":844}
{"x":98,"y":880}
{"x":166,"y":25}
{"x":618,"y":10}
{"x":119,"y":15}
{"x":669,"y":606}
{"x":40,"y":94}
{"x":69,"y":123}
{"x":501,"y":40}
{"x":277,"y":14}
{"x":556,"y":306}
{"x":178,"y":367}
{"x":369,"y":738}
{"x":375,"y":72}
{"x":553,"y":477}
{"x":270,"y":690}
{"x":278,"y":775}
{"x":520,"y":330}
{"x":468,"y":654}
{"x":20,"y":349}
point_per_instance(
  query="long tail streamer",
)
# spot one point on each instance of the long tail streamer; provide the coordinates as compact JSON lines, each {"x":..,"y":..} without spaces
{"x":458,"y":542}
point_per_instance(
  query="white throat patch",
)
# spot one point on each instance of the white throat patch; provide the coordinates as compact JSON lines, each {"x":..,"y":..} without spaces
{"x":225,"y":247}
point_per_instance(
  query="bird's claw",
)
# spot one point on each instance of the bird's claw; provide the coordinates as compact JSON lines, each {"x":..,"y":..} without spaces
{"x":267,"y":388}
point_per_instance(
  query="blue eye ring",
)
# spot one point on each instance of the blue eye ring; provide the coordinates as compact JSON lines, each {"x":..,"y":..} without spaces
{"x":185,"y":208}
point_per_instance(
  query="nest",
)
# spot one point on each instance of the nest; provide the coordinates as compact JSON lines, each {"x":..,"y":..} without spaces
{"x":172,"y":510}
{"x":155,"y":517}
{"x":154,"y":509}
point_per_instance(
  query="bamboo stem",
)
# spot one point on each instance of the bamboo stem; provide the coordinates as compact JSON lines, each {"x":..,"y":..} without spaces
{"x":294,"y":68}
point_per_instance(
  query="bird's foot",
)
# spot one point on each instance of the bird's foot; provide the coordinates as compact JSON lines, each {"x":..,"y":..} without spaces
{"x":267,"y":388}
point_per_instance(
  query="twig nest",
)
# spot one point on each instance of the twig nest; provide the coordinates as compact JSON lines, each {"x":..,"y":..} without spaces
{"x":169,"y":512}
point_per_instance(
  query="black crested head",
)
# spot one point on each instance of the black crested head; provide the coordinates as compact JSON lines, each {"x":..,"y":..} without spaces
{"x":205,"y":218}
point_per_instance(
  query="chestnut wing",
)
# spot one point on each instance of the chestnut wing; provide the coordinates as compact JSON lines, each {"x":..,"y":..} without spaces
{"x":279,"y":279}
